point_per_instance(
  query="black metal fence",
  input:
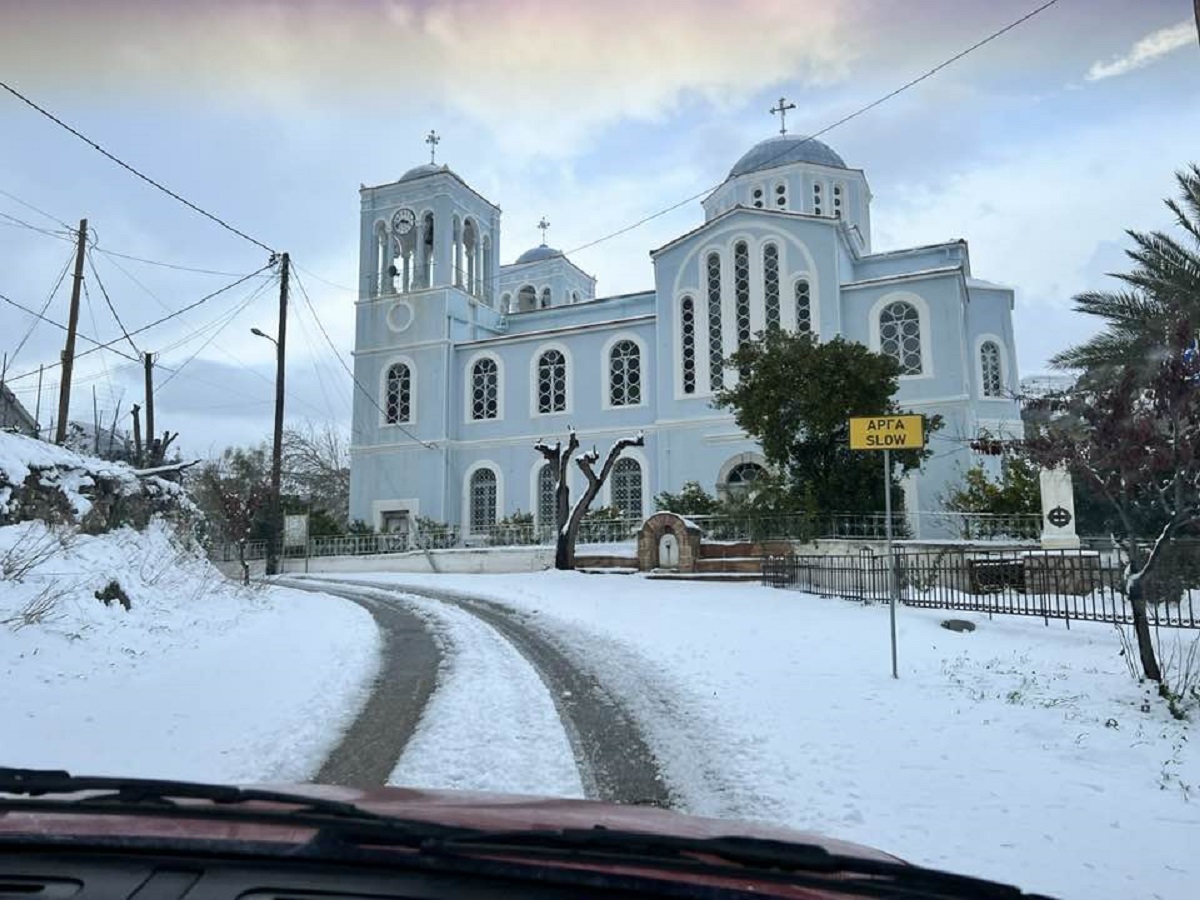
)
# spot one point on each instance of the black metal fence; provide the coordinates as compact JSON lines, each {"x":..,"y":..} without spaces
{"x":1055,"y":584}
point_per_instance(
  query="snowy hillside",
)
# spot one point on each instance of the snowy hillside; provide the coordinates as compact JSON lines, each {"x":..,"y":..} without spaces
{"x":178,"y":672}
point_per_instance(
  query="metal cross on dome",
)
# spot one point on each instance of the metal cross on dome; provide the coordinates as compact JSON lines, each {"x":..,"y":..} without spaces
{"x":782,"y":110}
{"x":543,"y":225}
{"x":432,"y":139}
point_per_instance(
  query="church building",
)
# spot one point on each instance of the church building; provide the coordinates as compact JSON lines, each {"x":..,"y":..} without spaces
{"x":470,"y":361}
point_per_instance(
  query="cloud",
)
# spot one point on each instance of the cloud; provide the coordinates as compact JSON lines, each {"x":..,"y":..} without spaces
{"x":1152,"y":47}
{"x":543,"y":75}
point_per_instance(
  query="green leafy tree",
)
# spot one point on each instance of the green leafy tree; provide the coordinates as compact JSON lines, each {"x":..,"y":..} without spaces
{"x":796,"y":396}
{"x":692,"y":500}
{"x":1162,"y":290}
{"x":1017,"y":492}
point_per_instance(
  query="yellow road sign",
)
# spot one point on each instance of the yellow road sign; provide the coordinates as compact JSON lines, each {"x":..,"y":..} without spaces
{"x":887,"y":433}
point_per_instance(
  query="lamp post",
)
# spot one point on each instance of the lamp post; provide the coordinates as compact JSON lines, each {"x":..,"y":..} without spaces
{"x":276,"y":531}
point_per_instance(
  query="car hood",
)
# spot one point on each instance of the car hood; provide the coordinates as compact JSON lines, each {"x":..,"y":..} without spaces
{"x":491,"y":812}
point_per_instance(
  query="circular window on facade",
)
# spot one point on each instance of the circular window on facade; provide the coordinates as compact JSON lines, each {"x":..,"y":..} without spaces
{"x":400,"y":316}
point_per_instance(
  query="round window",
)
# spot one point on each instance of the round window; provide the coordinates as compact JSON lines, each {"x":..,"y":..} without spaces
{"x":400,"y":316}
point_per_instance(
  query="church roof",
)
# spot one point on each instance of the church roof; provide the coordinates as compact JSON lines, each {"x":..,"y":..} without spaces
{"x":785,"y":150}
{"x":537,"y":254}
{"x":421,"y":171}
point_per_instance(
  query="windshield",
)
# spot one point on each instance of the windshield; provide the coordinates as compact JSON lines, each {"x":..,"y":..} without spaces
{"x":772,"y":420}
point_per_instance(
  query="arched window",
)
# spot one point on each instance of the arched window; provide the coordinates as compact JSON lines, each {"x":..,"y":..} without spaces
{"x":485,"y":389}
{"x":505,"y":300}
{"x":398,"y":400}
{"x":425,"y":276}
{"x":382,"y":260}
{"x":900,"y":336}
{"x":574,"y":296}
{"x":527,"y":298}
{"x":547,"y":485}
{"x":627,"y":487}
{"x":741,"y":291}
{"x":482,"y":509}
{"x":771,"y":286}
{"x":470,"y":246}
{"x":545,"y":298}
{"x":625,"y":374}
{"x":716,"y":352}
{"x":687,"y":337}
{"x":989,"y":363}
{"x":552,"y":382}
{"x":741,"y":478}
{"x":803,"y":307}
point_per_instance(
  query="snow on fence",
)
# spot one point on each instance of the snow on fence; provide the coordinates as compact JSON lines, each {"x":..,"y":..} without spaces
{"x":1061,"y":584}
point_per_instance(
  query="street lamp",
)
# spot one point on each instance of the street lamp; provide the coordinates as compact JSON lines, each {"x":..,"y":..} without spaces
{"x":276,"y":534}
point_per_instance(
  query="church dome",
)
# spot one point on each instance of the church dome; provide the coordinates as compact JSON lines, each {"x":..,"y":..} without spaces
{"x":418,"y":171}
{"x":537,"y":254}
{"x":785,"y":150}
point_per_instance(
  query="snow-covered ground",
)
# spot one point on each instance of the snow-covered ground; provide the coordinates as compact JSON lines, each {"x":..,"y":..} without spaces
{"x":1018,"y":752}
{"x":199,"y":679}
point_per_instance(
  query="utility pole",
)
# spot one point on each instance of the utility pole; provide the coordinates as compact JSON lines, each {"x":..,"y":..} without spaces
{"x":68,"y":355}
{"x":37,"y":415}
{"x":149,"y":361}
{"x":276,"y":538}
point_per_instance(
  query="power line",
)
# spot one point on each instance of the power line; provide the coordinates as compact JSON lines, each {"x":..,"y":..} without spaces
{"x":165,"y":265}
{"x":358,"y":384}
{"x":124,"y":165}
{"x":147,"y":327}
{"x":112,"y":309}
{"x":32,"y":208}
{"x":21,"y":223}
{"x":46,"y":305}
{"x":59,"y":325}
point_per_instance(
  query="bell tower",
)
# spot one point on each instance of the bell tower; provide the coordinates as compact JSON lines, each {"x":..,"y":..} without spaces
{"x":429,"y":229}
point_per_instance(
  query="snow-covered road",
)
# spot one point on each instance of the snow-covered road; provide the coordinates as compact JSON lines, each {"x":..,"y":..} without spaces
{"x":1019,"y":752}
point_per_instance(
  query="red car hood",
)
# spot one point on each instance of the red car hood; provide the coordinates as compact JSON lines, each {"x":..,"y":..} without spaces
{"x":499,"y":812}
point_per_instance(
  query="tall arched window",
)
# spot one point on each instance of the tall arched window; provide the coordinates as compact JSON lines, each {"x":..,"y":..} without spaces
{"x":425,"y":278}
{"x":771,"y":286}
{"x":398,"y":400}
{"x":382,"y":260}
{"x":482,"y":509}
{"x":547,"y":485}
{"x":687,"y":338}
{"x":526,"y":298}
{"x":625,"y":374}
{"x":900,"y":336}
{"x":989,"y":364}
{"x":552,"y":382}
{"x":716,"y":351}
{"x":485,"y":389}
{"x":803,"y":307}
{"x":545,"y":298}
{"x":627,"y":487}
{"x":741,"y":291}
{"x":505,"y":301}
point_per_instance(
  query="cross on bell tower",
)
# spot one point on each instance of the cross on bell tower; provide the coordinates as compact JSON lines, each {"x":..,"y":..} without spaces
{"x":432,"y":139}
{"x":782,"y":110}
{"x":543,"y":225}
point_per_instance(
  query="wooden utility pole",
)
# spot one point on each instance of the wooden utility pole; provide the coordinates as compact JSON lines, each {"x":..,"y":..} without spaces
{"x":276,"y":538}
{"x":68,"y":355}
{"x":37,"y":415}
{"x":137,"y":436}
{"x":149,"y":360}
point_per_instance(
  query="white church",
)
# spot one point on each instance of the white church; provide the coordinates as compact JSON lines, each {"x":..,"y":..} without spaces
{"x":472,"y":361}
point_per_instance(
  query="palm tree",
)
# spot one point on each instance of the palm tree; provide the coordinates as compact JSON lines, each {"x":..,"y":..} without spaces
{"x":1162,"y":291}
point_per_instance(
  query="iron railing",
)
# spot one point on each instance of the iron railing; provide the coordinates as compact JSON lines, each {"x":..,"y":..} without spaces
{"x":1057,"y":584}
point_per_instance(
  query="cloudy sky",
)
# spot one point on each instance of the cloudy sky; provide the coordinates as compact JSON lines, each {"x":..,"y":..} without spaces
{"x":1040,"y":149}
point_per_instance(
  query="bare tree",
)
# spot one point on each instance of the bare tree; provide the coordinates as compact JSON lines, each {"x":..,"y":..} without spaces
{"x":316,"y":465}
{"x":567,"y":518}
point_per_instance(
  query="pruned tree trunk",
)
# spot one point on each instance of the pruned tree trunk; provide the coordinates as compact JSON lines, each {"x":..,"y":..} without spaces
{"x":1135,"y":581}
{"x":568,"y":519}
{"x":242,"y":560}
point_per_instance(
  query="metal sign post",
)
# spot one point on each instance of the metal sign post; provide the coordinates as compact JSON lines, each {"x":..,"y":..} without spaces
{"x":887,"y":433}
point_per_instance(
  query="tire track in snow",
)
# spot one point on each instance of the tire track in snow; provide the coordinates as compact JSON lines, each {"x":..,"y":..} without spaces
{"x":615,"y":761}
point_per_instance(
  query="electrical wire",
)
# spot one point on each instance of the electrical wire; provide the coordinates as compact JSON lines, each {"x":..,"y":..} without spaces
{"x":112,"y":309}
{"x":31,"y":207}
{"x":61,"y":327}
{"x":49,"y":299}
{"x":164,"y":265}
{"x":14,"y":222}
{"x":147,"y":327}
{"x":358,"y":384}
{"x":124,"y":165}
